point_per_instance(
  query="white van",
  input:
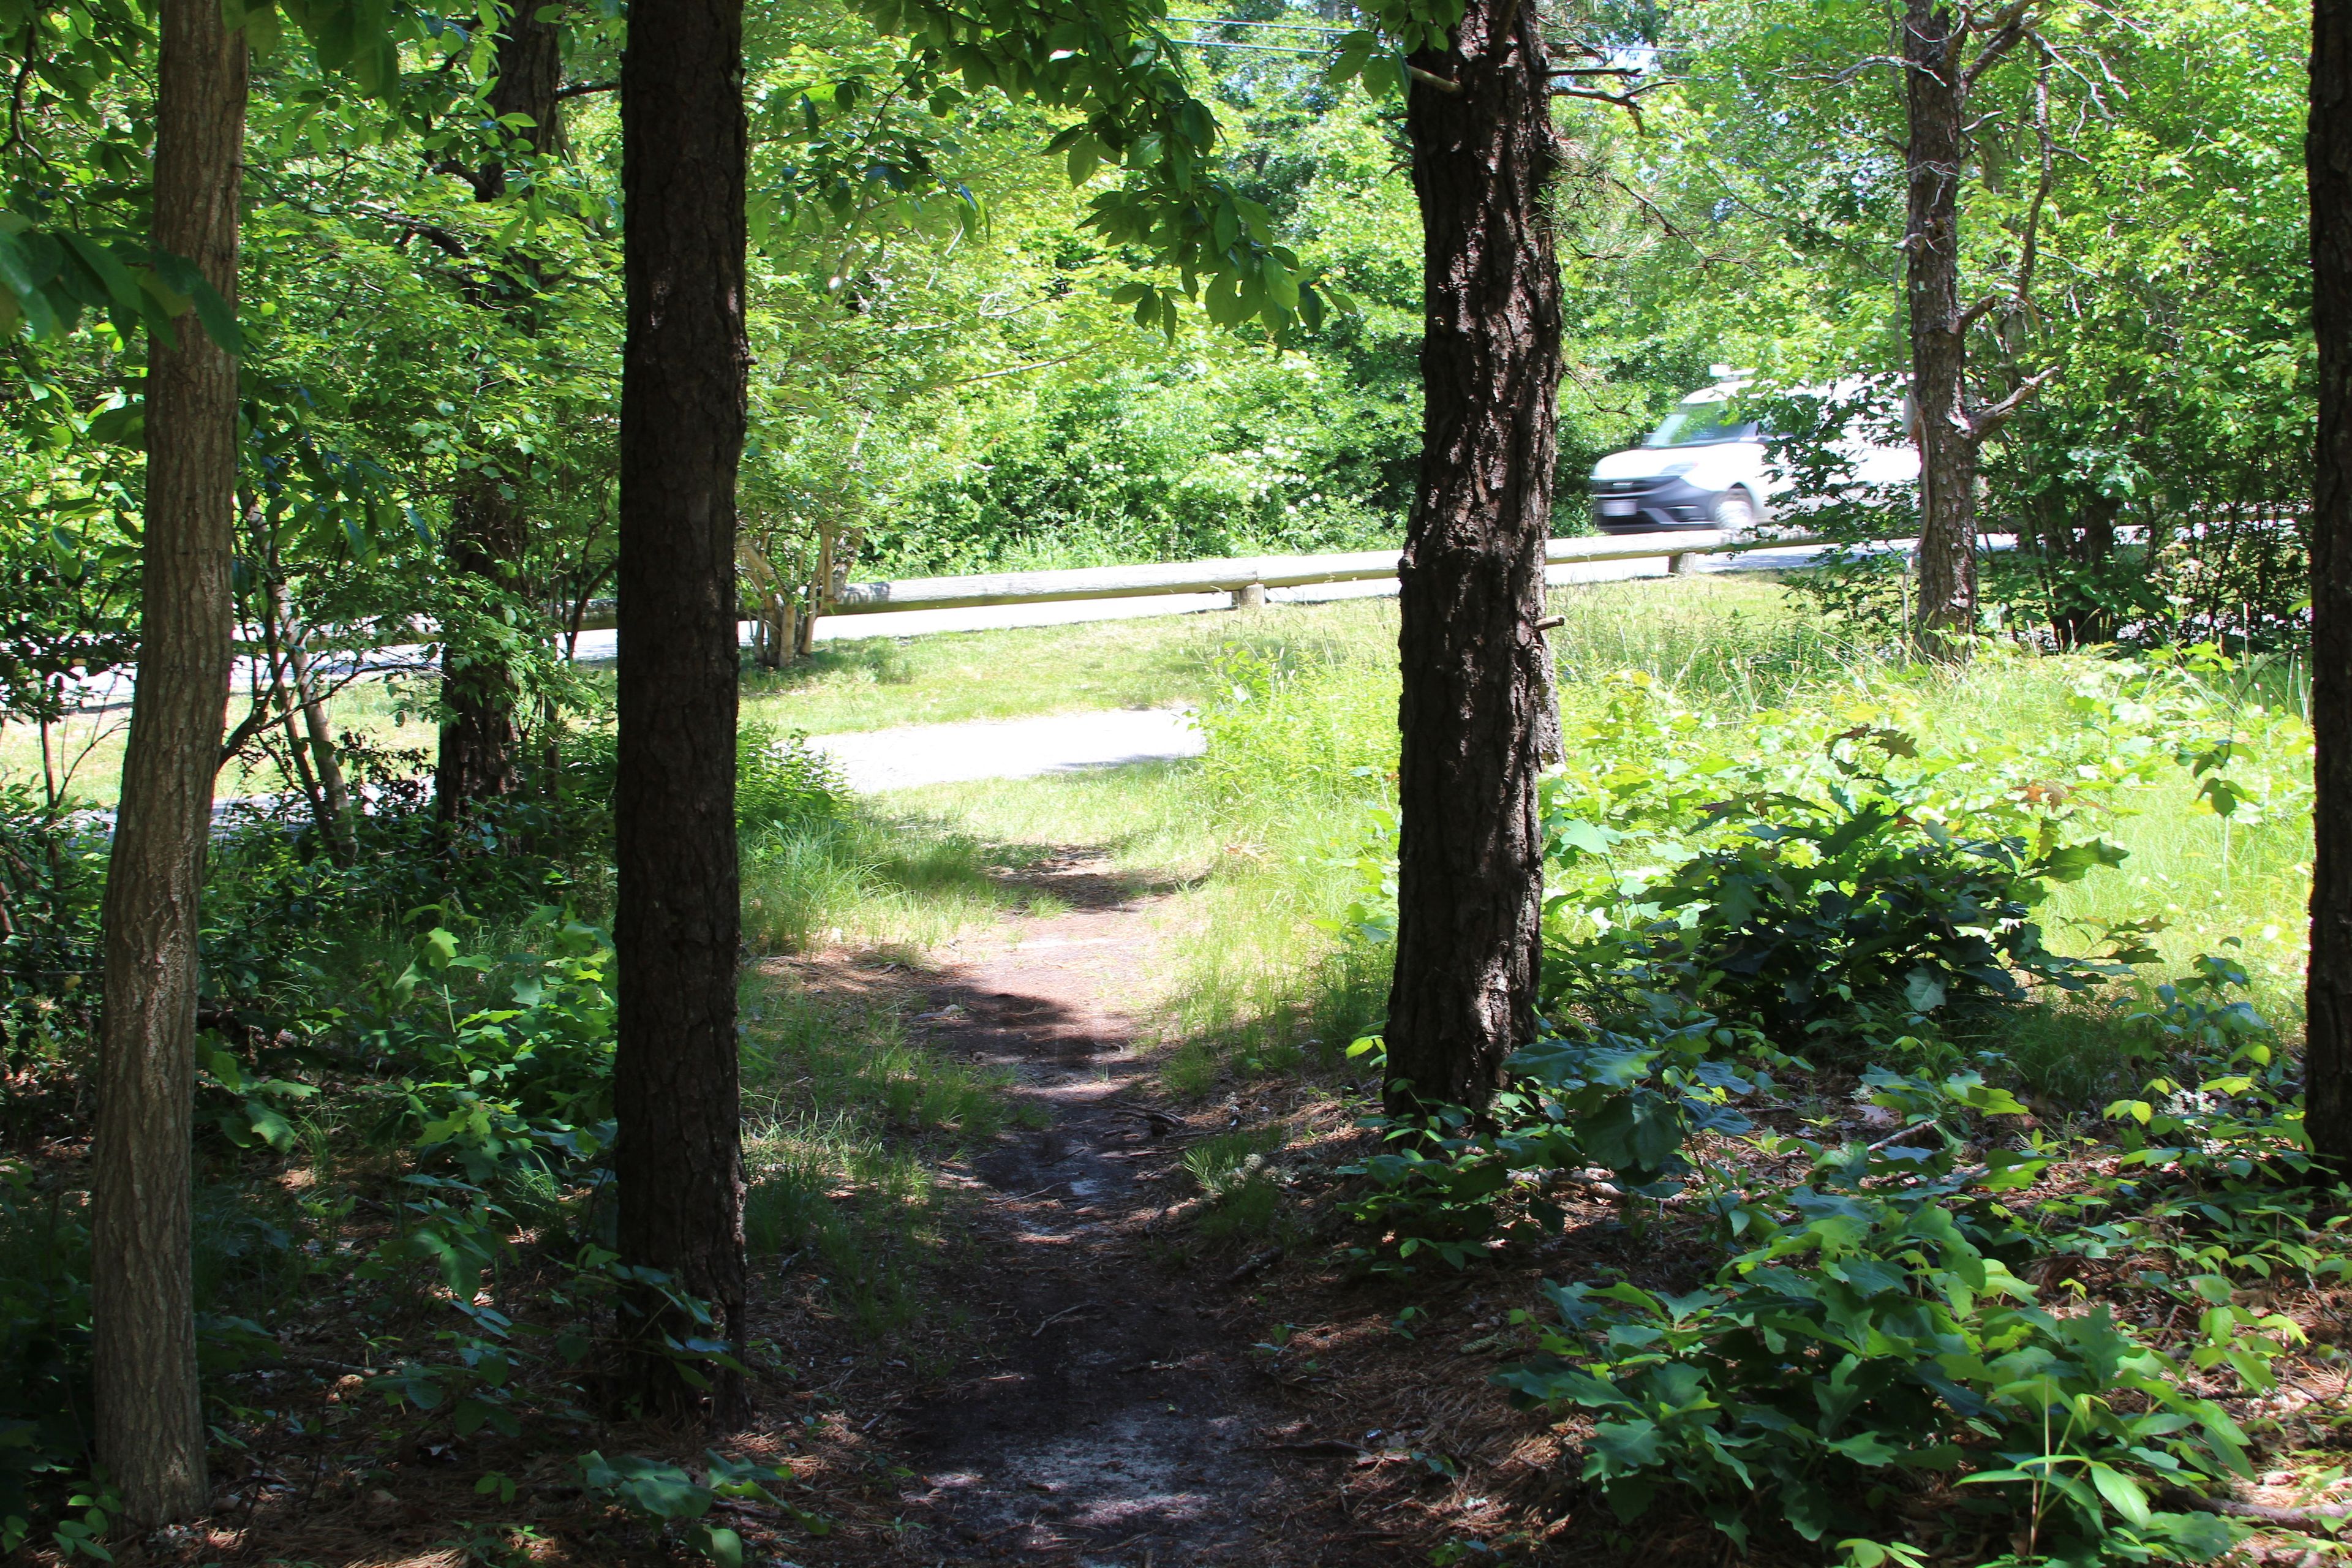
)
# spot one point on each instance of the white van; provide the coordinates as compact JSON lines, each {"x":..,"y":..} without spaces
{"x":1704,"y":467}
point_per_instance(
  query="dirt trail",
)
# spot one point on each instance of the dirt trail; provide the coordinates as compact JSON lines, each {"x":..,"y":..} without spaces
{"x":1114,"y":1421}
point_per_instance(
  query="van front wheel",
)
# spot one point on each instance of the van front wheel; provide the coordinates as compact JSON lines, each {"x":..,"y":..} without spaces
{"x":1735,"y":511}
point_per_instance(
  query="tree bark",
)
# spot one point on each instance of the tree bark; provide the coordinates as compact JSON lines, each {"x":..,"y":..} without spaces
{"x":1470,"y":870}
{"x":481,"y":740}
{"x":679,"y":1158}
{"x":1935,"y":158}
{"x":481,"y":743}
{"x":2327,"y":1063}
{"x":150,"y":1428}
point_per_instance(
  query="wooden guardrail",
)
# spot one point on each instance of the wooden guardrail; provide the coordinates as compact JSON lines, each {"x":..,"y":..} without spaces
{"x":1246,"y":578}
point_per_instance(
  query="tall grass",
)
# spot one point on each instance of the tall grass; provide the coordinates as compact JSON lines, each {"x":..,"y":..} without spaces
{"x":1737,"y":644}
{"x":1301,"y":765}
{"x":863,"y":879}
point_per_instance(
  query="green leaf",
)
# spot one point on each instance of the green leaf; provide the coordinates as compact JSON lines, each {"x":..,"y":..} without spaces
{"x":122,"y":426}
{"x":2122,"y":1494}
{"x":722,"y":1545}
{"x":23,"y":279}
{"x":1588,"y":836}
{"x":1354,"y":50}
{"x":273,"y":1128}
{"x":218,"y":317}
{"x":1636,"y":1445}
{"x":102,"y":265}
{"x":1923,"y":992}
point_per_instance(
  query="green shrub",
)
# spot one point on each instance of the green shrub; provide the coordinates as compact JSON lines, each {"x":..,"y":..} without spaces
{"x":1832,"y":919}
{"x":1868,"y":1346}
{"x":781,"y":781}
{"x":50,"y":875}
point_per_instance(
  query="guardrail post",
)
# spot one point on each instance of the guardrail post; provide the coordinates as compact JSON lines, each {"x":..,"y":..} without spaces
{"x":1250,"y":596}
{"x":1682,"y":564}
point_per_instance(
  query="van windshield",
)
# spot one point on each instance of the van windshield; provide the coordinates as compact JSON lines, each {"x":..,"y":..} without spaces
{"x":1700,"y":422}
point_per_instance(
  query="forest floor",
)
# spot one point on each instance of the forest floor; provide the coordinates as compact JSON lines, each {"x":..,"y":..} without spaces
{"x":1106,"y":1408}
{"x":1113,"y":1373}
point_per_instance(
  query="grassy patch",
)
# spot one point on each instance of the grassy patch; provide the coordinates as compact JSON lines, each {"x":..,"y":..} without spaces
{"x":863,"y":879}
{"x":1238,"y":1175}
{"x":1145,"y":818}
{"x":845,"y":1122}
{"x":946,"y":677}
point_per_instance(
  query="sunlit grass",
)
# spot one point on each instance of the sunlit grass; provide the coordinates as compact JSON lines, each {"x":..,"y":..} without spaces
{"x":946,"y":677}
{"x":1145,"y":819}
{"x":868,"y":880}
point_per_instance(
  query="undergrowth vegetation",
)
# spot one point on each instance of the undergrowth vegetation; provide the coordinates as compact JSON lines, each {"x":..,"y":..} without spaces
{"x":404,"y":1127}
{"x":1934,"y":1032}
{"x":1929,"y":1036}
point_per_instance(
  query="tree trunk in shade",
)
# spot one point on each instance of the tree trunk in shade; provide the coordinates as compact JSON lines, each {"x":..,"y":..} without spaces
{"x":1470,"y":871}
{"x":1933,"y":161}
{"x":481,"y":739}
{"x":150,"y":1431}
{"x":2328,"y":159}
{"x":679,"y":1158}
{"x":481,"y":742}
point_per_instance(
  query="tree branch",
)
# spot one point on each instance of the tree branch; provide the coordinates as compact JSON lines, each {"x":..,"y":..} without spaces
{"x":2007,"y":27}
{"x":2030,"y":249}
{"x":1985,"y":421}
{"x":1442,"y":84}
{"x":1978,"y":311}
{"x":583,"y":88}
{"x":1629,"y":101}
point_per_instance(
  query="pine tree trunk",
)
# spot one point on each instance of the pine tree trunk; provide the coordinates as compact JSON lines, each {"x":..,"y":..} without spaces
{"x":1470,"y":870}
{"x":1935,"y":161}
{"x":151,"y":1434}
{"x":2327,"y":1065}
{"x":679,"y":1159}
{"x":481,"y":740}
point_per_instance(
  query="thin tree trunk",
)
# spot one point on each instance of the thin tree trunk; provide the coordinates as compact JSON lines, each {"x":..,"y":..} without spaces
{"x":2327,"y":1066}
{"x":331,"y":804}
{"x":679,"y":1158}
{"x":149,"y":1428}
{"x":1470,"y":870}
{"x":481,"y":740}
{"x":275,"y":627}
{"x":1935,"y":159}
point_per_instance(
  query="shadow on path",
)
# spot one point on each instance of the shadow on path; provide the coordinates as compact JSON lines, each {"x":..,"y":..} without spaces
{"x":1113,"y":1420}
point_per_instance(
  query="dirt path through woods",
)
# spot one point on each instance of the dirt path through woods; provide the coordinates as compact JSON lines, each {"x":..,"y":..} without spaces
{"x":1110,"y":1417}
